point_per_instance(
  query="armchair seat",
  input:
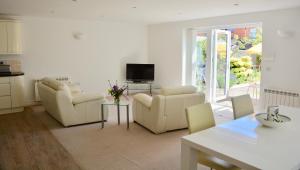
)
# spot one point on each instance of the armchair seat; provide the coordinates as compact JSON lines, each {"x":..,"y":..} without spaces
{"x":165,"y":112}
{"x":68,"y":104}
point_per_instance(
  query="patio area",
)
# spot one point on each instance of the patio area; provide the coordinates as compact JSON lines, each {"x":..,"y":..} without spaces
{"x":253,"y":89}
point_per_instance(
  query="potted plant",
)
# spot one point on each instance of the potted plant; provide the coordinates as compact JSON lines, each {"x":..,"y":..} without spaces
{"x":116,"y":92}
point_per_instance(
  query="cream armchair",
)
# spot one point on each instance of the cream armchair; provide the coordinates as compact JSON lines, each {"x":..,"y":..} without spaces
{"x":68,"y":104}
{"x":166,"y":111}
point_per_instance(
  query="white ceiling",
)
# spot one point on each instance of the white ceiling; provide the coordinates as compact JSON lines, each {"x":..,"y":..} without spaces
{"x":145,"y":11}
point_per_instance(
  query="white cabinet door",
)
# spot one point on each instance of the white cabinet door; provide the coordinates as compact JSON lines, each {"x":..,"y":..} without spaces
{"x":3,"y":38}
{"x":14,"y":42}
{"x":17,"y":91}
{"x":5,"y":102}
{"x":4,"y":80}
{"x":4,"y":90}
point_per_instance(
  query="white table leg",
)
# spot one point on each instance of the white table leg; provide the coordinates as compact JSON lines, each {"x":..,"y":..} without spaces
{"x":189,"y":157}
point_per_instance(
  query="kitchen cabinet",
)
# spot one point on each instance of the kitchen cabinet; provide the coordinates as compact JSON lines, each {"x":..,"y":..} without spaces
{"x":11,"y":94}
{"x":10,"y":37}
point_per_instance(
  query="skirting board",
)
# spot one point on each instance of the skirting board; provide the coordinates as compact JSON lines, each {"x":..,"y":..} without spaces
{"x":12,"y":110}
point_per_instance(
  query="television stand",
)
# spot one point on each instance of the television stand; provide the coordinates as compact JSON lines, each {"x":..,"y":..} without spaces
{"x":136,"y":83}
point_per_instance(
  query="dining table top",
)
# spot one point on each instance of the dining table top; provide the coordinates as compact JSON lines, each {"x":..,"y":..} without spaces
{"x":249,"y":145}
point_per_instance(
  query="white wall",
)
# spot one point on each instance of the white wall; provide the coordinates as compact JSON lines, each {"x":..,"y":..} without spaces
{"x":166,"y":42}
{"x":51,"y":50}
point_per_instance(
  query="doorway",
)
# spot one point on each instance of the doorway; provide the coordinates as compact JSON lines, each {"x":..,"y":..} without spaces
{"x":226,"y":61}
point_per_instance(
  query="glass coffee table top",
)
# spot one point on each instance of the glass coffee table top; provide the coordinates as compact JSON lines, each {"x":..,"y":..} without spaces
{"x":122,"y":103}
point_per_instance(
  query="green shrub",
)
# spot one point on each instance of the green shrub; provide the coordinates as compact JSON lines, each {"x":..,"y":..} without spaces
{"x":241,"y":70}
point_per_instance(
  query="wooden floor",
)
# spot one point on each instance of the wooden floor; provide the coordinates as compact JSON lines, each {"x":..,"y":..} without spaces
{"x":25,"y":143}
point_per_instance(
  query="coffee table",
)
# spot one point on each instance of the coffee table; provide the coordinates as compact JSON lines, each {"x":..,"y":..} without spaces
{"x":111,"y":103}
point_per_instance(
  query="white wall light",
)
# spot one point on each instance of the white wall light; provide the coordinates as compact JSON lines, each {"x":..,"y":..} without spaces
{"x":78,"y":35}
{"x":284,"y":33}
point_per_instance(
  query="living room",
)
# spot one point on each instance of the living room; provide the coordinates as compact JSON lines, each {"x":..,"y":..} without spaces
{"x":92,"y":43}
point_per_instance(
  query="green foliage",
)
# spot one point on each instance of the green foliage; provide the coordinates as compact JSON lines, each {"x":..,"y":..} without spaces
{"x":241,"y":70}
{"x":258,"y":59}
{"x":221,"y":80}
{"x":241,"y":67}
{"x":258,"y":38}
{"x":201,"y":58}
{"x":203,"y":45}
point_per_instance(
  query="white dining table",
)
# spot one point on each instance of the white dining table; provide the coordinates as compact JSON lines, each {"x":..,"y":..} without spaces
{"x":247,"y":144}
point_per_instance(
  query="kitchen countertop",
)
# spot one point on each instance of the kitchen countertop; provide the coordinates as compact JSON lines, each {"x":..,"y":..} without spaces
{"x":11,"y":74}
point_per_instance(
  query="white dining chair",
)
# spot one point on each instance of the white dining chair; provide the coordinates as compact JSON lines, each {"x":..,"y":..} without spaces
{"x":242,"y":106}
{"x":201,"y":117}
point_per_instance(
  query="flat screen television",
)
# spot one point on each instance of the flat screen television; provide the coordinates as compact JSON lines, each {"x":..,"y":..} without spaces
{"x":140,"y":72}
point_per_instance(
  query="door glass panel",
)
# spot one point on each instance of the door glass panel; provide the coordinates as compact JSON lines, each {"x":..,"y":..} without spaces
{"x":221,"y":65}
{"x":199,"y":61}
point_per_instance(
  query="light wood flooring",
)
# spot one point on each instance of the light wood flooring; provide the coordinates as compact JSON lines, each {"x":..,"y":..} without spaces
{"x":34,"y":140}
{"x":27,"y":144}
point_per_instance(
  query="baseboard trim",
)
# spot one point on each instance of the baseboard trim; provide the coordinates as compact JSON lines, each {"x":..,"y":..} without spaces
{"x":11,"y":110}
{"x":85,"y":123}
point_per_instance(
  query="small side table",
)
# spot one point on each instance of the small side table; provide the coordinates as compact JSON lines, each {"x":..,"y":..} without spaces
{"x":135,"y":83}
{"x":118,"y":109}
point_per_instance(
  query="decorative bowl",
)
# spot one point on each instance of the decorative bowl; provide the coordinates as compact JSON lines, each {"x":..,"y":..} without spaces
{"x":262,"y":118}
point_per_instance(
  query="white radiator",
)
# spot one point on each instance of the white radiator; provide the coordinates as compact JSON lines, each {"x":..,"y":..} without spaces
{"x":274,"y":97}
{"x":36,"y":92}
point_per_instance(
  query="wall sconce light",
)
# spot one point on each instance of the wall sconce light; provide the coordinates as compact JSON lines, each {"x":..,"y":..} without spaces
{"x":78,"y":35}
{"x":284,"y":33}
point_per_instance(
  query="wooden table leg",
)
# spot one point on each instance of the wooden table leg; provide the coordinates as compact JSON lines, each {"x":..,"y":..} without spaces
{"x":127,"y":110}
{"x":189,"y":157}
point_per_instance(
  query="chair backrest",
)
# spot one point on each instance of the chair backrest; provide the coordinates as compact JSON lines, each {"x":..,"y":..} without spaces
{"x":188,"y":89}
{"x":57,"y":85}
{"x":175,"y":105}
{"x":56,"y":102}
{"x":242,"y":106}
{"x":200,"y":117}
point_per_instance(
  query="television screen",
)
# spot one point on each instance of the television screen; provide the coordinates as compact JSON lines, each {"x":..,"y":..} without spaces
{"x":140,"y":72}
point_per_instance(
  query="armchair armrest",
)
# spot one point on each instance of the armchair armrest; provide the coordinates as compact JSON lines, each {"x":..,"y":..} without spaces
{"x":144,"y":99}
{"x":85,"y":98}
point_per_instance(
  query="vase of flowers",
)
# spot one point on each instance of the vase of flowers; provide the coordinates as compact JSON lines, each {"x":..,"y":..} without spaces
{"x":116,"y":92}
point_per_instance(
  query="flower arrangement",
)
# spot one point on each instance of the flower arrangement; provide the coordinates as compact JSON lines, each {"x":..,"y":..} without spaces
{"x":115,"y":91}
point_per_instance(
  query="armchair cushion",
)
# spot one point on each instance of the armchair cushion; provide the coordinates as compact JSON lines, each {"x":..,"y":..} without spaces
{"x":178,"y":90}
{"x":81,"y":98}
{"x":54,"y":84}
{"x":67,"y":91}
{"x":75,"y":89}
{"x":144,"y":99}
{"x":57,"y":85}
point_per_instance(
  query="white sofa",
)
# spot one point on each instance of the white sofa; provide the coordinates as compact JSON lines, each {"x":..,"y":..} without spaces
{"x":68,"y":104}
{"x":166,"y":111}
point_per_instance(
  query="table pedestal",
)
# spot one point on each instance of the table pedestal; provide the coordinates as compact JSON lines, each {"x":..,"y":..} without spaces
{"x":118,"y":111}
